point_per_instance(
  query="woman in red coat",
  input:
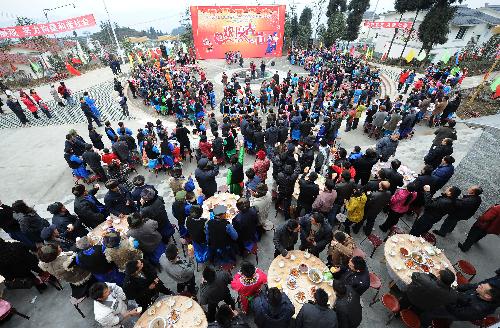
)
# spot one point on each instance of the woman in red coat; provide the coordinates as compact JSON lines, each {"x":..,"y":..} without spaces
{"x":261,"y":166}
{"x":41,"y":103}
{"x":29,"y":103}
{"x":247,"y":283}
{"x":486,"y":224}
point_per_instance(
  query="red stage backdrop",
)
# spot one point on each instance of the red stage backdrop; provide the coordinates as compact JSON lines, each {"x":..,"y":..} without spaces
{"x":255,"y":31}
{"x":66,"y":25}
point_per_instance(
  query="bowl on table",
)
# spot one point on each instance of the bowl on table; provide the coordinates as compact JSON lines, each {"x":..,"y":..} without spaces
{"x":315,"y":275}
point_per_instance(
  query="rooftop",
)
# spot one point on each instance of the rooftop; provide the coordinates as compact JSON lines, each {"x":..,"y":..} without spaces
{"x":468,"y":16}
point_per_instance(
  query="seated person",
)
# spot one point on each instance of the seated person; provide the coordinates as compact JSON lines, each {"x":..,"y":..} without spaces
{"x":247,"y":283}
{"x":315,"y":233}
{"x":355,"y":274}
{"x":226,"y":317}
{"x":317,"y":314}
{"x":428,"y":292}
{"x":272,"y":309}
{"x":252,"y":182}
{"x":110,"y":305}
{"x":347,"y":305}
{"x":340,"y":249}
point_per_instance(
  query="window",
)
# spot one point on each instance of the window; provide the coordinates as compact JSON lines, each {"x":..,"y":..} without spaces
{"x":461,"y":32}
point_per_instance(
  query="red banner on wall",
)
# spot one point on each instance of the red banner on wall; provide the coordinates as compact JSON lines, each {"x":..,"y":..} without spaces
{"x":403,"y":25}
{"x":255,"y":31}
{"x":47,"y":28}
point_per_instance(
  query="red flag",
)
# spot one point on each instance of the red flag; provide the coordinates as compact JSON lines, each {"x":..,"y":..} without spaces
{"x":72,"y":70}
{"x":12,"y":67}
{"x":351,"y":51}
{"x":75,"y":60}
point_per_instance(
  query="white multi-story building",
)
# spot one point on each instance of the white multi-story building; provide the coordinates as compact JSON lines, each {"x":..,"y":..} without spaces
{"x":467,"y":25}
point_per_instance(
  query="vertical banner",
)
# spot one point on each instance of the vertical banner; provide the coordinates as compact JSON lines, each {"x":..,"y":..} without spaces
{"x":255,"y":31}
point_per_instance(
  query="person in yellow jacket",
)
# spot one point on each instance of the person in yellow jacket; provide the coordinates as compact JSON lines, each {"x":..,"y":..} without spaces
{"x":355,"y":208}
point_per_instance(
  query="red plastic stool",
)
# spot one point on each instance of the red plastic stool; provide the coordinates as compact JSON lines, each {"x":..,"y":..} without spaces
{"x":375,"y":241}
{"x":466,"y":267}
{"x":430,"y":238}
{"x":461,"y":280}
{"x":391,"y":303}
{"x":486,"y":322}
{"x":375,"y":283}
{"x":440,"y":323}
{"x":410,"y":318}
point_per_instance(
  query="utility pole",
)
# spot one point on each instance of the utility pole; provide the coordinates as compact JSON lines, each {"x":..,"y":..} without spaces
{"x":120,"y":53}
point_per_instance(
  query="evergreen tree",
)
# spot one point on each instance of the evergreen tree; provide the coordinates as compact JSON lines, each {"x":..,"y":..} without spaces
{"x":335,"y":29}
{"x":401,"y":7}
{"x":357,"y":9}
{"x":305,"y":29}
{"x":435,"y":27}
{"x":187,"y":36}
{"x":419,"y":6}
{"x":335,"y":6}
{"x":294,"y":27}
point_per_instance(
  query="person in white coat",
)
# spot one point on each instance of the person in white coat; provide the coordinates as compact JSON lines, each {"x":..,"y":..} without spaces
{"x":110,"y":305}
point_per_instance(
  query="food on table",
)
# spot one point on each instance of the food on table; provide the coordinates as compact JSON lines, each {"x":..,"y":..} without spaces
{"x":151,"y":311}
{"x":410,"y":264}
{"x":158,"y":322}
{"x":430,"y":262}
{"x":424,"y":268}
{"x":417,"y":257}
{"x":174,"y":316}
{"x":315,"y":276}
{"x":327,"y":276}
{"x":403,"y":251}
{"x":291,"y":283}
{"x":300,"y":297}
{"x":303,"y":268}
{"x":334,"y":269}
{"x":294,"y":272}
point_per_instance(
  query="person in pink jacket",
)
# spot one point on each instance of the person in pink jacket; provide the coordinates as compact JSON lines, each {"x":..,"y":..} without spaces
{"x":43,"y":106}
{"x":399,"y":205}
{"x":29,"y":103}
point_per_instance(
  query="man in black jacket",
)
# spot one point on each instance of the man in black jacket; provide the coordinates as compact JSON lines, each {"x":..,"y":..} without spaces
{"x":315,"y":233}
{"x":317,"y":314}
{"x":285,"y":238}
{"x":117,"y":199}
{"x":205,"y":175}
{"x":355,"y":274}
{"x":364,"y":166}
{"x":344,"y":191}
{"x":376,"y":202}
{"x":93,"y":160}
{"x":465,"y":209}
{"x":214,"y":289}
{"x":88,"y":113}
{"x":347,"y":305}
{"x":153,"y":207}
{"x":90,"y":211}
{"x":435,"y":209}
{"x":272,"y":309}
{"x":181,"y":134}
{"x":308,"y":191}
{"x":393,"y":176}
{"x":437,"y":153}
{"x":142,"y":284}
{"x":286,"y":184}
{"x":427,"y":292}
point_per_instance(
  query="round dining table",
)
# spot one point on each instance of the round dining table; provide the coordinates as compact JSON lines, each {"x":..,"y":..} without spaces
{"x":227,"y":199}
{"x":119,"y":224}
{"x":281,"y":268}
{"x":405,"y":254}
{"x":186,"y":312}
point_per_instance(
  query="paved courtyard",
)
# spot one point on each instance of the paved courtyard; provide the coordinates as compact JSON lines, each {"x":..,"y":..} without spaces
{"x":32,"y":168}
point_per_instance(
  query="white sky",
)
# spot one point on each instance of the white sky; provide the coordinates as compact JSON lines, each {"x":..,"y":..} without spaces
{"x":141,"y":14}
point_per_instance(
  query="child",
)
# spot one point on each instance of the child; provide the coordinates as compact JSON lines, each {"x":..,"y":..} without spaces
{"x":247,"y":283}
{"x":355,"y":210}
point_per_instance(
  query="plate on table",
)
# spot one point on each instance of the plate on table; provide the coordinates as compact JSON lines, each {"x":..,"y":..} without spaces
{"x":313,"y":291}
{"x":410,"y":264}
{"x":158,"y":322}
{"x":424,"y":268}
{"x":303,"y":268}
{"x":173,"y":316}
{"x":294,"y":272}
{"x":189,"y":304}
{"x":417,"y":257}
{"x":291,"y":283}
{"x":315,"y":276}
{"x":300,"y":297}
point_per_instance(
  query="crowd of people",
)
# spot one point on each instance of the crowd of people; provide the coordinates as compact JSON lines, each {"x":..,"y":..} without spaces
{"x":291,"y":127}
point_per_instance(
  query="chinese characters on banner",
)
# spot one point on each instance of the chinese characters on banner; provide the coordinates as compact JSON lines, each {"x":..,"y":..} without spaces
{"x":47,"y":28}
{"x":403,"y":25}
{"x":255,"y":31}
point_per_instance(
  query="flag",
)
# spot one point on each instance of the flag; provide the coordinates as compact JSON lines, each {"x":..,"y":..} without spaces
{"x":139,"y":58}
{"x":131,"y":60}
{"x":12,"y":67}
{"x":454,"y":70}
{"x":72,"y":70}
{"x":495,"y":84}
{"x":35,"y":67}
{"x":421,"y":56}
{"x":457,"y":57}
{"x":445,"y":57}
{"x":410,"y":55}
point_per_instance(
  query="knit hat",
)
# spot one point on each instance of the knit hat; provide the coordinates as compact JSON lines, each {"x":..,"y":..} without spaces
{"x":47,"y":232}
{"x":261,"y":154}
{"x":55,"y":208}
{"x":148,"y":194}
{"x":83,"y":242}
{"x":180,"y":195}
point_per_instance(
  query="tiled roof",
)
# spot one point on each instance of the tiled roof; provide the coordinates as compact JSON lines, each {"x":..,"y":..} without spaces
{"x":469,"y":16}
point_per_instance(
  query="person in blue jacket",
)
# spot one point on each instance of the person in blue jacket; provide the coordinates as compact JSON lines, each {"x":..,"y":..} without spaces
{"x":443,"y":172}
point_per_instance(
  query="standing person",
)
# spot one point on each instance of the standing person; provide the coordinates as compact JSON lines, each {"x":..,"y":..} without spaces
{"x":326,"y":199}
{"x":261,"y":200}
{"x":363,"y":166}
{"x":487,"y":224}
{"x":355,"y":207}
{"x":110,"y":305}
{"x":11,"y":226}
{"x":214,"y":289}
{"x":308,"y":191}
{"x":153,"y":207}
{"x":347,"y":305}
{"x":246,"y":223}
{"x":220,"y":236}
{"x":235,"y":175}
{"x":118,"y":87}
{"x":317,"y":313}
{"x":43,"y":106}
{"x":286,"y":184}
{"x":435,"y":209}
{"x":393,"y":176}
{"x":375,"y":203}
{"x":118,"y":199}
{"x":262,"y":69}
{"x":122,"y":101}
{"x":145,"y":232}
{"x":315,"y":233}
{"x":436,"y":154}
{"x":93,"y":159}
{"x":65,"y":93}
{"x":179,"y":270}
{"x":386,"y":147}
{"x":444,"y":132}
{"x":96,"y":139}
{"x":355,"y":274}
{"x":142,"y":284}
{"x":272,"y":309}
{"x":465,"y":209}
{"x":399,"y":205}
{"x":261,"y":165}
{"x":110,"y":132}
{"x":16,"y":108}
{"x":90,"y":211}
{"x":91,"y":102}
{"x":55,"y":96}
{"x":443,"y":173}
{"x":132,"y":88}
{"x":205,"y":175}
{"x":247,"y":283}
{"x":88,"y":113}
{"x":181,"y":134}
{"x":29,"y":103}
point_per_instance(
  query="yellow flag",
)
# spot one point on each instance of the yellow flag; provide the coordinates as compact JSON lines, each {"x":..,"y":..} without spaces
{"x":410,"y":55}
{"x":139,"y":59}
{"x":131,"y":59}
